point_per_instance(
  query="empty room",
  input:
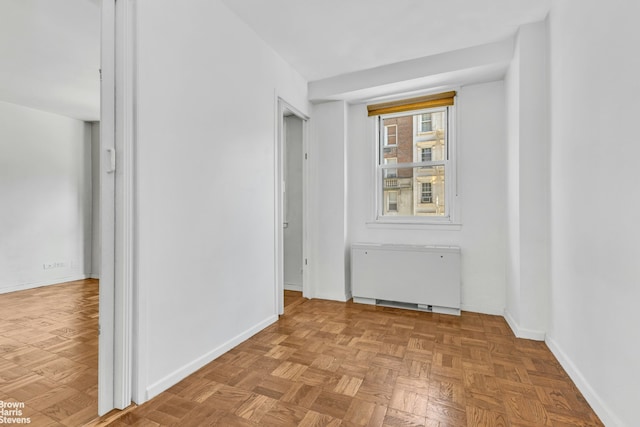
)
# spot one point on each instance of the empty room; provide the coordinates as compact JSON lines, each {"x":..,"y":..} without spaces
{"x":49,"y":220}
{"x":362,"y":213}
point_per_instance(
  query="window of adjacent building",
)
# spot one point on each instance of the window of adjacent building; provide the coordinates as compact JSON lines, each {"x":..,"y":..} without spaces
{"x":391,"y":173}
{"x":390,"y":135}
{"x":425,"y":154}
{"x":426,"y":193}
{"x":415,"y":165}
{"x":392,"y":201}
{"x":425,"y":122}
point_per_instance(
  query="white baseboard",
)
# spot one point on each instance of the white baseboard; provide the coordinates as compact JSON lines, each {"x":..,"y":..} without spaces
{"x":594,"y":399}
{"x":186,"y":370}
{"x":367,"y":301}
{"x":519,"y":332}
{"x":292,"y":287}
{"x":25,"y":286}
{"x":333,"y":297}
{"x":493,"y":311}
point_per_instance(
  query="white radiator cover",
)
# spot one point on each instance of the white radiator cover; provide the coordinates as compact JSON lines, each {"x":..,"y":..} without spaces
{"x":424,"y":276}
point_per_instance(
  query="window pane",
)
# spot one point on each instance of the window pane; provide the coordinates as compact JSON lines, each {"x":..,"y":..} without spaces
{"x":390,"y":173}
{"x":415,"y":192}
{"x":415,"y":137}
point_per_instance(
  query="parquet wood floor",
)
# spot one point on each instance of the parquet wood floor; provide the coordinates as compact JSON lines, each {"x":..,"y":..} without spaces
{"x":292,"y":298}
{"x":49,"y":352}
{"x":328,"y":363}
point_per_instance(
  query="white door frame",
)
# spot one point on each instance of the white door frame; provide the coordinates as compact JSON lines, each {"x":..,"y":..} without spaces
{"x":283,"y":108}
{"x":116,"y":205}
{"x":107,"y":208}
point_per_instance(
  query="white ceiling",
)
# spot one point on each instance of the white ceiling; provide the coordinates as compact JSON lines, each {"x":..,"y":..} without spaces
{"x":325,"y":38}
{"x":50,"y":56}
{"x":50,"y":49}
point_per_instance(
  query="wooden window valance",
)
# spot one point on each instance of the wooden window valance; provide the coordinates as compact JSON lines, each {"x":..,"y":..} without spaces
{"x":429,"y":101}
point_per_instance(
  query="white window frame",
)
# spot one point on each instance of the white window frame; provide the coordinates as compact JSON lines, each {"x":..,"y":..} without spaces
{"x":450,"y":218}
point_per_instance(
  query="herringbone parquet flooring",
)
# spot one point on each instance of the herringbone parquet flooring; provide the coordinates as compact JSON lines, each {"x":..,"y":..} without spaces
{"x":328,"y":363}
{"x":49,"y":352}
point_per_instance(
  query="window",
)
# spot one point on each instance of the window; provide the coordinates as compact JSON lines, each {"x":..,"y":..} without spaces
{"x":415,"y":164}
{"x":391,"y":173}
{"x":426,"y":195}
{"x":392,"y":201}
{"x":425,"y":122}
{"x":425,"y":154}
{"x":390,"y":135}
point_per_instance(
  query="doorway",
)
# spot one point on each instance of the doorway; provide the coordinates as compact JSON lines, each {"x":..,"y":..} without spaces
{"x":53,"y":69}
{"x":293,"y":219}
{"x":292,"y":224}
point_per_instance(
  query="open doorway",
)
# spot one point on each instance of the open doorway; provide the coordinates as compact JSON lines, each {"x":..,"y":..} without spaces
{"x":292,"y":180}
{"x":293,"y":223}
{"x":49,"y":183}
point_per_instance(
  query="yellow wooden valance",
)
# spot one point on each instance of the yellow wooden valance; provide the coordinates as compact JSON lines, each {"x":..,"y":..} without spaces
{"x":429,"y":101}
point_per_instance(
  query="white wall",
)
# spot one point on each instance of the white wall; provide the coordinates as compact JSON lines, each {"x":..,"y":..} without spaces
{"x":595,"y":202}
{"x":328,"y":247}
{"x":481,"y":189}
{"x":293,"y":249}
{"x":528,"y":184}
{"x":45,"y":189}
{"x":206,"y":136}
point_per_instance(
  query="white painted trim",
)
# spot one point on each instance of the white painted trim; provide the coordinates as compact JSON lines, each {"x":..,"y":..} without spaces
{"x":520,"y":332}
{"x":451,"y":219}
{"x":333,"y":297}
{"x":139,"y":323}
{"x":32,"y":285}
{"x":595,"y":400}
{"x":191,"y":367}
{"x":306,"y":200}
{"x":406,"y":225}
{"x":446,"y":310}
{"x":116,"y":271}
{"x":107,"y":209}
{"x":367,"y":301}
{"x":124,"y":230}
{"x":292,"y":287}
{"x":492,"y":311}
{"x":278,"y":237}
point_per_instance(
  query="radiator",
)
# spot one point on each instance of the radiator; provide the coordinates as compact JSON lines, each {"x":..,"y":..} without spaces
{"x":419,"y":277}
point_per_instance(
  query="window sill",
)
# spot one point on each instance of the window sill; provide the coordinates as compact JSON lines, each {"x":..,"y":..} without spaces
{"x":397,"y":225}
